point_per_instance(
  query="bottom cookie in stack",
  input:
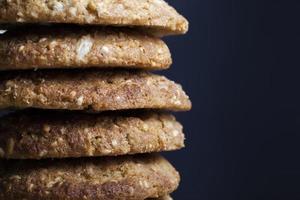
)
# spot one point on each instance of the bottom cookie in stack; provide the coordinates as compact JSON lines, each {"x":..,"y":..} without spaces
{"x":123,"y":177}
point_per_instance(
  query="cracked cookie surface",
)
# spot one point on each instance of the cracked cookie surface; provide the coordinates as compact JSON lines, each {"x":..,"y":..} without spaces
{"x":74,"y":47}
{"x":94,"y":90}
{"x":154,"y":15}
{"x":125,"y":177}
{"x":38,"y":134}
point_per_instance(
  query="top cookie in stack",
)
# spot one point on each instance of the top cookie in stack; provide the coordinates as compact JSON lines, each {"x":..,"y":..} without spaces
{"x":73,"y":56}
{"x":154,"y":16}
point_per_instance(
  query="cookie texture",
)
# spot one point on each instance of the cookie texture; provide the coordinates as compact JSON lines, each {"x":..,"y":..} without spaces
{"x":73,"y":47}
{"x":45,"y":134}
{"x":125,"y":177}
{"x":156,"y":15}
{"x":94,"y":90}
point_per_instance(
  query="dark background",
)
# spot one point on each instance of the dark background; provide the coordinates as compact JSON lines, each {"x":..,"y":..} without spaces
{"x":240,"y":65}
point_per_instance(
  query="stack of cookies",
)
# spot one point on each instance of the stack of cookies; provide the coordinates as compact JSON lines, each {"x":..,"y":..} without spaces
{"x":89,"y":116}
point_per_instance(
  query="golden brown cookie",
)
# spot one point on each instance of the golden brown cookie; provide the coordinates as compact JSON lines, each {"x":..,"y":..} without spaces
{"x":73,"y":47}
{"x":94,"y":90}
{"x":124,"y":177}
{"x":44,"y":134}
{"x":155,"y":15}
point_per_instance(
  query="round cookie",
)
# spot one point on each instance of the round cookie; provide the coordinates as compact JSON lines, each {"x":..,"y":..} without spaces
{"x":73,"y":47}
{"x":94,"y":90}
{"x":43,"y":134}
{"x":124,"y":177}
{"x":156,"y":16}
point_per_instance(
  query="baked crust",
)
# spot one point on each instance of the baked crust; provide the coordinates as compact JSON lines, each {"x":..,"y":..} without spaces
{"x":46,"y":134}
{"x":74,"y":47}
{"x":95,"y":90}
{"x":155,"y":15}
{"x":124,"y":177}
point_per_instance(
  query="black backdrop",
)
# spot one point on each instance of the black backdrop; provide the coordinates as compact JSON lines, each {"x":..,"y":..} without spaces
{"x":240,"y":65}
